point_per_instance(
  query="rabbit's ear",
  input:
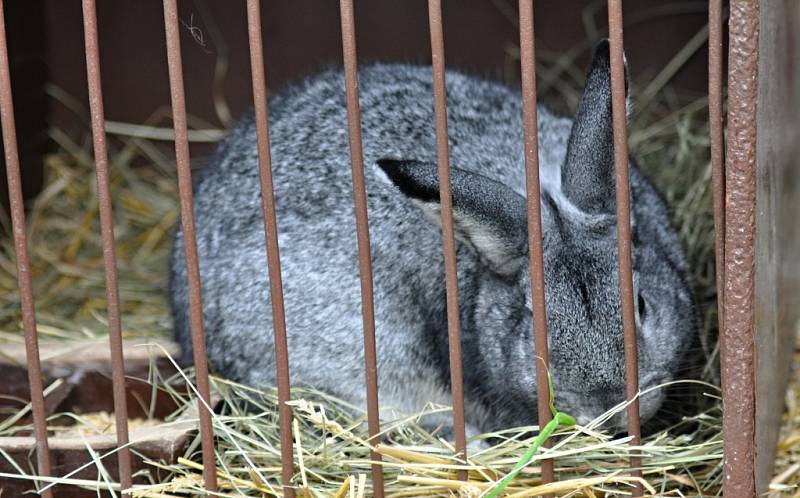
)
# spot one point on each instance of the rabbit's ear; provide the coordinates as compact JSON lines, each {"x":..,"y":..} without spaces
{"x":587,"y":177}
{"x":487,"y":215}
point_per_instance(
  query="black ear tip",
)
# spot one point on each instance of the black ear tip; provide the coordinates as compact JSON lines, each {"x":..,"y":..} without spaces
{"x":394,"y":169}
{"x":602,"y":50}
{"x":415,"y":179}
{"x":388,"y":165}
{"x":602,"y":53}
{"x":601,"y":56}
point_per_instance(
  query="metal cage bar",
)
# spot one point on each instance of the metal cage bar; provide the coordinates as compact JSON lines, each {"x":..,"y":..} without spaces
{"x":23,"y":263}
{"x":623,"y":213}
{"x":448,"y":233}
{"x":362,"y":231}
{"x":737,"y":338}
{"x":178,"y":100}
{"x":535,"y":252}
{"x":716,"y":138}
{"x":271,"y":235}
{"x":107,"y":233}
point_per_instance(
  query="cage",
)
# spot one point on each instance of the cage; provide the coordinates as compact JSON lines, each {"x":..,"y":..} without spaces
{"x":213,"y":65}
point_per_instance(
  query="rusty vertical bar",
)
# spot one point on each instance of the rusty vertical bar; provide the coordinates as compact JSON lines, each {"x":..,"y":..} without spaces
{"x":23,"y":263}
{"x":362,"y":230}
{"x":178,"y":100}
{"x":271,"y":234}
{"x":107,"y":234}
{"x":448,"y":234}
{"x":737,"y":339}
{"x":623,"y":198}
{"x":716,"y":138}
{"x":536,"y":262}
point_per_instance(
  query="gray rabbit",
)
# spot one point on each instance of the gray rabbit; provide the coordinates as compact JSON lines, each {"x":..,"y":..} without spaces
{"x":319,"y":259}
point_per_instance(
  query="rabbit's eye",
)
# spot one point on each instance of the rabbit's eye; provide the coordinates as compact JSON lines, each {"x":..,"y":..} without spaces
{"x":642,"y":308}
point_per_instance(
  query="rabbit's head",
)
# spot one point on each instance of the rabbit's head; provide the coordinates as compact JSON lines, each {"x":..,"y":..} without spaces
{"x":581,"y":273}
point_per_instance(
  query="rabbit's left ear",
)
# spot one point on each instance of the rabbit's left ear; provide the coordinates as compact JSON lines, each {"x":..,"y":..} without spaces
{"x":587,"y":176}
{"x":487,"y":215}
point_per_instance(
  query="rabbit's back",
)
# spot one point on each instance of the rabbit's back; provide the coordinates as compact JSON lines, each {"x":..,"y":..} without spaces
{"x":316,"y":227}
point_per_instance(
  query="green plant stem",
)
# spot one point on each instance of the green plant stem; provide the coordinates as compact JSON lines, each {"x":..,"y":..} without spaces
{"x":558,"y":420}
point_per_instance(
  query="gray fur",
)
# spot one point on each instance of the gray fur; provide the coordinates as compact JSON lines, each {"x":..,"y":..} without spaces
{"x":319,"y":259}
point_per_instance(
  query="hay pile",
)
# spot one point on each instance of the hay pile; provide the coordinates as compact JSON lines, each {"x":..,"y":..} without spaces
{"x":332,"y":455}
{"x":787,"y":462}
{"x":669,"y":137}
{"x":66,"y":250}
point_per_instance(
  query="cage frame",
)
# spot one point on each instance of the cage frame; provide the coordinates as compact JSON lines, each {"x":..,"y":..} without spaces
{"x":738,"y":170}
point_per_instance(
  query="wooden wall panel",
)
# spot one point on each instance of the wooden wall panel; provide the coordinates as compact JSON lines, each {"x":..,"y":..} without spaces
{"x":777,"y":298}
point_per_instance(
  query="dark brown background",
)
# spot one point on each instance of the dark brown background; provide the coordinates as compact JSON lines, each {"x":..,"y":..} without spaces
{"x":300,"y":36}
